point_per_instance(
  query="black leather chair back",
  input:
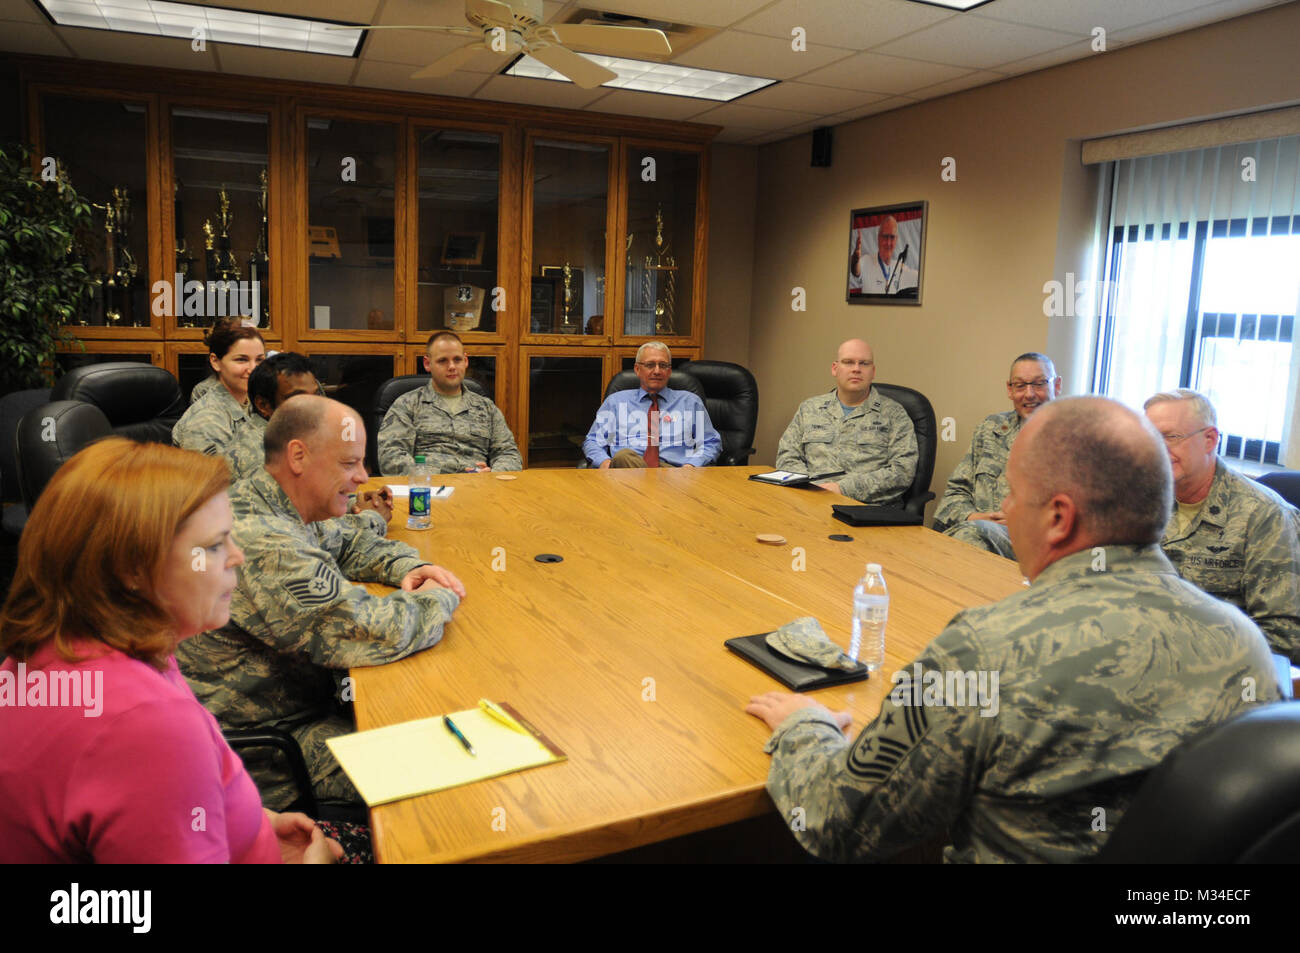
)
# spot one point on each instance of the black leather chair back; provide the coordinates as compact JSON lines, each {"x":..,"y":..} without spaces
{"x":919,"y":409}
{"x":731,"y":398}
{"x":388,"y":392}
{"x":51,"y":434}
{"x":677,"y":380}
{"x":12,"y":408}
{"x":1229,"y":795}
{"x":141,"y":401}
{"x":1285,"y":483}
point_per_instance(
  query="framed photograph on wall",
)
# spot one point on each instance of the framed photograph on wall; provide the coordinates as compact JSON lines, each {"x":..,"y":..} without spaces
{"x":887,"y":254}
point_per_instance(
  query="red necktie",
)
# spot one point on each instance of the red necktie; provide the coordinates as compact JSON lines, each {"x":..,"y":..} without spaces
{"x":652,"y":438}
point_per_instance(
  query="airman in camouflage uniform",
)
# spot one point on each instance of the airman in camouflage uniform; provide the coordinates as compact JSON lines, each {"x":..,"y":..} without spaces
{"x":297,"y":623}
{"x":1095,"y":674}
{"x":854,"y":429}
{"x":453,"y":428}
{"x":213,"y":424}
{"x":979,"y":484}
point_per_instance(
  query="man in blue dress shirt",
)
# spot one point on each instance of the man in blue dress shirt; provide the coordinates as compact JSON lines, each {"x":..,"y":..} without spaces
{"x":652,"y":425}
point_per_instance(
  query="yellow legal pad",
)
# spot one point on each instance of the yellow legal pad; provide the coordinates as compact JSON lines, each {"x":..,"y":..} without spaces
{"x":420,"y":757}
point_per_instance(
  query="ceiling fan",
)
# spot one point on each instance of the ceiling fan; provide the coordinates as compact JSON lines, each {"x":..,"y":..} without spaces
{"x":513,"y":27}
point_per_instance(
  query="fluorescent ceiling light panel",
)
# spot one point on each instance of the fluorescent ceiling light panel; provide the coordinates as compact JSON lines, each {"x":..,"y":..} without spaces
{"x":666,"y":78}
{"x":160,"y":18}
{"x":962,"y":5}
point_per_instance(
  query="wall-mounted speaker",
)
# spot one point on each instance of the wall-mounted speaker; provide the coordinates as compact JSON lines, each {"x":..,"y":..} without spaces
{"x":821,"y":148}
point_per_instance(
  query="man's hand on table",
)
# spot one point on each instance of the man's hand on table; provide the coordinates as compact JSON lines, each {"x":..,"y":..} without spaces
{"x":833,"y":487}
{"x":774,"y":707}
{"x":423,"y":578}
{"x":480,"y":467}
{"x":381,"y":501}
{"x":605,"y":465}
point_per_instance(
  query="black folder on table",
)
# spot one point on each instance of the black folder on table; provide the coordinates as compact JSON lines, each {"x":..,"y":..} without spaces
{"x":875,"y":515}
{"x":794,"y":479}
{"x":795,"y":676}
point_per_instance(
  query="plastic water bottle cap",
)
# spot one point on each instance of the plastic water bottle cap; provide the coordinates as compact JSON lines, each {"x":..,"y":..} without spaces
{"x":419,"y":459}
{"x":873,"y":567}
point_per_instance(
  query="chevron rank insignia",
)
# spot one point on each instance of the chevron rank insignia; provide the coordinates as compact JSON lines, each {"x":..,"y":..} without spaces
{"x":320,"y":589}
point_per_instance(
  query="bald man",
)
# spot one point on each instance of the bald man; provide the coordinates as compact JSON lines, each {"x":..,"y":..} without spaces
{"x":853,"y":429}
{"x":296,"y":621}
{"x":884,"y":274}
{"x":1024,"y":717}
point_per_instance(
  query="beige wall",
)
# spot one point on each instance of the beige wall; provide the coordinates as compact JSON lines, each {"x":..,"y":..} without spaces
{"x":733,"y":200}
{"x":1021,"y":212}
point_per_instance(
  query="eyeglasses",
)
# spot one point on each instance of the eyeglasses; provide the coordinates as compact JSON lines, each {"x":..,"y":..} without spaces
{"x":656,"y":365}
{"x":1019,"y":387}
{"x":1173,"y":438}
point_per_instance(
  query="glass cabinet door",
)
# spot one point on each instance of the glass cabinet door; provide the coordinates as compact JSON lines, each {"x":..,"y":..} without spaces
{"x":221,"y":215}
{"x":564,"y":394}
{"x":661,"y":203}
{"x":351,"y":204}
{"x":570,"y":192}
{"x":458,"y":178}
{"x":100,"y":144}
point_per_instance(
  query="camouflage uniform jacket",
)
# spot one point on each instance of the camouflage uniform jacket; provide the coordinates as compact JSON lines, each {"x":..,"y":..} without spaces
{"x":1242,"y":547}
{"x":213,"y":424}
{"x":246,"y":451}
{"x":1100,"y":675}
{"x":295,"y":618}
{"x":204,"y":387}
{"x":875,"y":446}
{"x":979,"y":484}
{"x":418,"y":424}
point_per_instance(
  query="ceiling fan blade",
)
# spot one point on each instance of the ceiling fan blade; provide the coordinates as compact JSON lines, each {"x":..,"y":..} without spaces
{"x":491,"y":10}
{"x":614,"y":40}
{"x":575,"y":66}
{"x":462,"y":30}
{"x":449,"y":63}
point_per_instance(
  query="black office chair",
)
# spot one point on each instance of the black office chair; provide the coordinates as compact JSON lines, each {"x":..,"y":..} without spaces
{"x":12,"y":408}
{"x":1285,"y":483}
{"x":141,"y":401}
{"x":919,"y":409}
{"x":48,"y":436}
{"x":388,"y":392}
{"x":1229,"y":795}
{"x":731,"y":398}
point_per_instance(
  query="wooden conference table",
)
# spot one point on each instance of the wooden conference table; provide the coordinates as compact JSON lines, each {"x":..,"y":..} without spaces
{"x":617,"y":652}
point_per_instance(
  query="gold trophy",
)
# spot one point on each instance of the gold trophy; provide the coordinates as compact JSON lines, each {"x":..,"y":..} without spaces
{"x":227,"y":266}
{"x":567,"y":324}
{"x":661,"y":293}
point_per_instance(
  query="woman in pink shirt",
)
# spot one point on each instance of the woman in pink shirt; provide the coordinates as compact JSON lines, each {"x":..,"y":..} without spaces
{"x":107,"y":755}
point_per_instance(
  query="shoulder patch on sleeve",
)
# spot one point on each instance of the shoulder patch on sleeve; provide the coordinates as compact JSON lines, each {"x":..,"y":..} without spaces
{"x":875,"y":754}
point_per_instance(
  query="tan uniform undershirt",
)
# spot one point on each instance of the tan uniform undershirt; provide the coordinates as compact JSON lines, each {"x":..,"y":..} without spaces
{"x":1186,"y":513}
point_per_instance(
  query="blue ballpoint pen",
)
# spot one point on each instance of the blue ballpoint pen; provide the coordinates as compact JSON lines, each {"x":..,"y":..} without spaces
{"x":451,"y":726}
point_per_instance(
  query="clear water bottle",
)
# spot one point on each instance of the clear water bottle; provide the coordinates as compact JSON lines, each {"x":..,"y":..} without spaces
{"x":870,"y":613}
{"x":421,"y":496}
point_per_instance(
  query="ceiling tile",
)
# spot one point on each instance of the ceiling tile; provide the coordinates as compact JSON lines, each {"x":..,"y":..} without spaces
{"x":754,"y":55}
{"x":654,"y":105}
{"x":855,"y":24}
{"x":38,"y":38}
{"x":157,"y":51}
{"x":23,"y":11}
{"x":1080,"y":16}
{"x":760,"y":120}
{"x":969,"y":81}
{"x":976,"y":43}
{"x":537,"y":92}
{"x":894,"y":102}
{"x":877,"y":73}
{"x":286,"y":64}
{"x":698,"y":12}
{"x":808,"y":98}
{"x":398,"y":76}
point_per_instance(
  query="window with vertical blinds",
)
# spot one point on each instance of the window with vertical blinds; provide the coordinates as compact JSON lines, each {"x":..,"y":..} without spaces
{"x":1203,"y":285}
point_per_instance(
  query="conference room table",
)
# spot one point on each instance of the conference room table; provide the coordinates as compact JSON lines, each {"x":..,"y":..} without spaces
{"x":616,"y":652}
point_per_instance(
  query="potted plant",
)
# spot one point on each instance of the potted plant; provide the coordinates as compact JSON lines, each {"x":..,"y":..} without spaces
{"x":44,"y":280}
